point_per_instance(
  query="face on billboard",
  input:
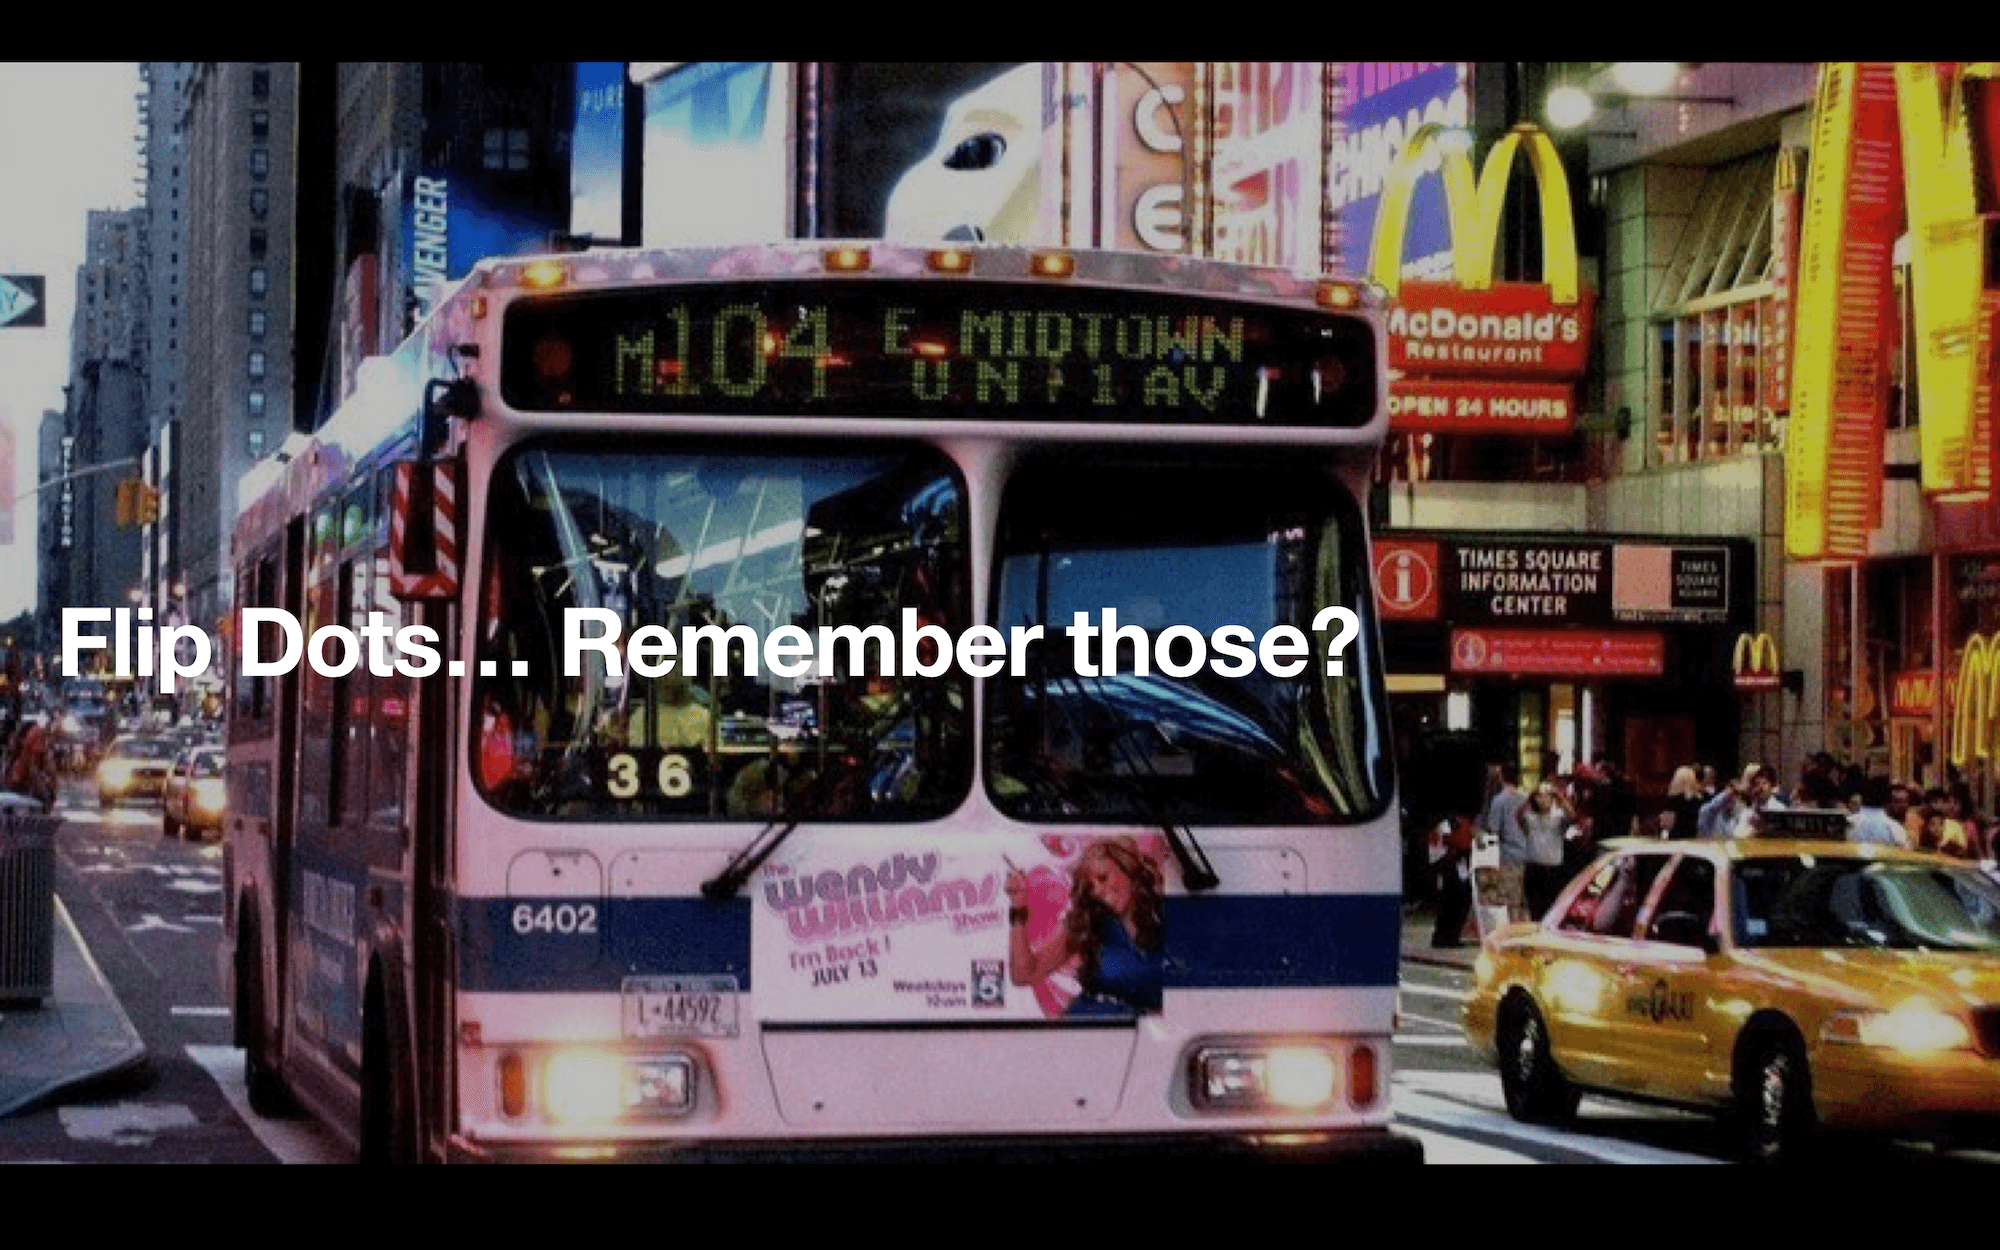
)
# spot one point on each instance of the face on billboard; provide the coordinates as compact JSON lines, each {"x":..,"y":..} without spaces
{"x":982,"y":180}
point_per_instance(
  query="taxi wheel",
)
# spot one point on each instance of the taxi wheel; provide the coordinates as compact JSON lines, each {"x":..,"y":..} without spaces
{"x":1536,"y":1092}
{"x":1774,"y":1101}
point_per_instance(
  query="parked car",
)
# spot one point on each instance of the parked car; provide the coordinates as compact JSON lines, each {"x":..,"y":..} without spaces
{"x":134,"y":767}
{"x":1788,"y":986}
{"x":195,"y":794}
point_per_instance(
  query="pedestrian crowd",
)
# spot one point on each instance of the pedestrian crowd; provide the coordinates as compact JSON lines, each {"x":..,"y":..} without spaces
{"x":1547,"y":834}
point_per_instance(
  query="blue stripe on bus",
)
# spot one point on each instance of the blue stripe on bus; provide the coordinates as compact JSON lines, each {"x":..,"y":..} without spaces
{"x":528,"y":946}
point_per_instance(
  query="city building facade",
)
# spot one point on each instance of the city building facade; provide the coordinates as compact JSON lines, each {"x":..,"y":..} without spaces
{"x":240,"y":128}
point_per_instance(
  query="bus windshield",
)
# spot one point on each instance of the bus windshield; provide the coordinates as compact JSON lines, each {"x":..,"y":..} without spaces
{"x":1200,"y":549}
{"x":723,"y":538}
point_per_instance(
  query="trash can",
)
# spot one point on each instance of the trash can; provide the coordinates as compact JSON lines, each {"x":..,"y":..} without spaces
{"x":27,"y":902}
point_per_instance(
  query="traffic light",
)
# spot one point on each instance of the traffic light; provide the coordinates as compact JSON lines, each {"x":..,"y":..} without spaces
{"x":138,"y":503}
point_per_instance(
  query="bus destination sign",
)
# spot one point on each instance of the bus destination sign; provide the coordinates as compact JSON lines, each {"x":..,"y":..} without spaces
{"x":928,"y":351}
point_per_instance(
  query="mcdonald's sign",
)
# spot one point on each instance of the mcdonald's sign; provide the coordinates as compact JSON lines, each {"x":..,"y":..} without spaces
{"x":1872,"y":118}
{"x":1756,"y":664}
{"x":1912,"y":694}
{"x":1975,"y":698}
{"x":1476,"y":355}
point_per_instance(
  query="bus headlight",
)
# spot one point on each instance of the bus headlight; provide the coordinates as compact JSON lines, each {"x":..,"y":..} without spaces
{"x":582,"y":1086}
{"x":1256,"y":1078}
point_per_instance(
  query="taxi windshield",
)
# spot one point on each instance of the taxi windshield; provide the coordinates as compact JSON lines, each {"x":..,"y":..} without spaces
{"x":1810,"y":902}
{"x":730,"y":543}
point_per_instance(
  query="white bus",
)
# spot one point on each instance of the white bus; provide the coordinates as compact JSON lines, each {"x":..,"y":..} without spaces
{"x":696,"y":844}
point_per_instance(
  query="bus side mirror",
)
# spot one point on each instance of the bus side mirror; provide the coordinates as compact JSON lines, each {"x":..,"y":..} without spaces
{"x":423,"y":532}
{"x":444,"y":400}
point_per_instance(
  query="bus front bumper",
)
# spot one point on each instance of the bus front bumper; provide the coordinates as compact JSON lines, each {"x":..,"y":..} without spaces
{"x":1367,"y":1146}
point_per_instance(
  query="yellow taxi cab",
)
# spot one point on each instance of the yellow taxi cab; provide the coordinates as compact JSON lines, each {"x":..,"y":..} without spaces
{"x":1787,"y":985}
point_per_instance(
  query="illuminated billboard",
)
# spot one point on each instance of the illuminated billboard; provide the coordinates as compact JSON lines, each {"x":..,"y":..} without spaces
{"x":923,"y":151}
{"x":597,"y":151}
{"x":1386,"y":103}
{"x":718,"y":154}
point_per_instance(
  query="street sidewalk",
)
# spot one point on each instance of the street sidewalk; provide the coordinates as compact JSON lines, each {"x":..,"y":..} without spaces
{"x":78,"y":1037}
{"x":1418,"y":921}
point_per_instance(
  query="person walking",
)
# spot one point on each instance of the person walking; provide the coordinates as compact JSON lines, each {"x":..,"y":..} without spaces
{"x":1454,"y":882}
{"x":1733,"y":813}
{"x":1681,"y":819}
{"x":31,"y":768}
{"x":1501,"y":822}
{"x":1545,"y":819}
{"x":1874,"y":822}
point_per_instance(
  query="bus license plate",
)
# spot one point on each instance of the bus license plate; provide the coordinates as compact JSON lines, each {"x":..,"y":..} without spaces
{"x":680,"y":1007}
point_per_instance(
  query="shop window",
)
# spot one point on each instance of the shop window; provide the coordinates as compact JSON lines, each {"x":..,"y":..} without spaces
{"x":1713,"y":315}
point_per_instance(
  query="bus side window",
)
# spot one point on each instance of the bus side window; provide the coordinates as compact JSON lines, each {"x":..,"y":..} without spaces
{"x":339,"y":745}
{"x":389,"y":710}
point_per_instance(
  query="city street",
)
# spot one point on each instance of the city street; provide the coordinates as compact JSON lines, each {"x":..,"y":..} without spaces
{"x":149,"y":910}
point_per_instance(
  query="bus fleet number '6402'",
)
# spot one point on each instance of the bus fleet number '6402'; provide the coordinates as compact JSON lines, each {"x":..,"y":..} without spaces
{"x":559,"y":919}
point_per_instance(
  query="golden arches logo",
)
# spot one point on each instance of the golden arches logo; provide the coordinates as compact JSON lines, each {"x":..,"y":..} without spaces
{"x":1864,"y":112}
{"x":1474,"y":207}
{"x":1756,"y":663}
{"x":1975,"y":700}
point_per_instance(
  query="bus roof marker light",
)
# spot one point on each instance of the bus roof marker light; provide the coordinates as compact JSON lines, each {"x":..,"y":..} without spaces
{"x":1343,"y":296}
{"x":848,"y":260}
{"x":544,"y":275}
{"x":1054,"y":265}
{"x":950,"y":260}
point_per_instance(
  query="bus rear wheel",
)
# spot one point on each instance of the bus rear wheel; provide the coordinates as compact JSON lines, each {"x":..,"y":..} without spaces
{"x":386,"y":1136}
{"x":263,"y":1082}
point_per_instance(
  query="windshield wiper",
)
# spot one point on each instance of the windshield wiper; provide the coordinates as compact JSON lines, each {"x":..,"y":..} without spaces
{"x":730,"y":881}
{"x":1197,"y":874}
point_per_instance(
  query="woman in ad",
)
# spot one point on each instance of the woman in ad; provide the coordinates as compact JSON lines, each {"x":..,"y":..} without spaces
{"x":1112,"y":935}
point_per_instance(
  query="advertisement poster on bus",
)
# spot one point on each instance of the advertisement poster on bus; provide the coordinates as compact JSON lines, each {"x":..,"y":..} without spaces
{"x":1066,"y":928}
{"x":1386,"y":103}
{"x":929,"y":151}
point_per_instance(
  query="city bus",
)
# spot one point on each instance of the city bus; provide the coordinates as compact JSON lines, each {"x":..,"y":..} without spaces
{"x":860,"y":701}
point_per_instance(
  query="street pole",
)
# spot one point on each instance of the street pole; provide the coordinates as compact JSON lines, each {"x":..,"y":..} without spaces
{"x":130,"y":462}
